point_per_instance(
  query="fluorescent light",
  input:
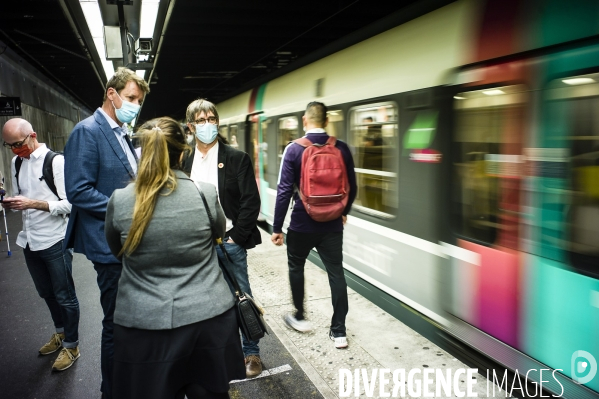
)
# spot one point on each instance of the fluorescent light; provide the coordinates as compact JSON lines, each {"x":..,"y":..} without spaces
{"x":141,"y":73}
{"x":91,"y":11}
{"x":578,"y":81}
{"x":459,"y":98}
{"x":149,"y":12}
{"x":494,"y":92}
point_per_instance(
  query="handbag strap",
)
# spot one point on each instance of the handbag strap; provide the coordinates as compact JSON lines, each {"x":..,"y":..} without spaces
{"x":219,"y":241}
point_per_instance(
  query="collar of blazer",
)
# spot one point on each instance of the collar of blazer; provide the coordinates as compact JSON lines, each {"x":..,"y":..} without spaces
{"x":114,"y":143}
{"x":222,"y":159}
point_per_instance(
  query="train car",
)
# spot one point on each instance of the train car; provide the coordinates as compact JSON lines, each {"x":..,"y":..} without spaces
{"x":475,"y":136}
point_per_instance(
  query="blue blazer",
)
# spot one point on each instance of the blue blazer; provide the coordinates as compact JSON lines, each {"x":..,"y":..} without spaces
{"x":95,"y":165}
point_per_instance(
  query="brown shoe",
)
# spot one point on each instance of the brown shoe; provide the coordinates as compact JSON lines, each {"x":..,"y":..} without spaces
{"x":253,"y":366}
{"x":66,"y":358}
{"x":53,"y":345}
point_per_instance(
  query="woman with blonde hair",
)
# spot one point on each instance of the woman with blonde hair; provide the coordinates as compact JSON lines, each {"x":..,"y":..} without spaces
{"x":175,"y":332}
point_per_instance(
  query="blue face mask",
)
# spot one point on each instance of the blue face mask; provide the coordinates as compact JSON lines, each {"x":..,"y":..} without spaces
{"x":127,"y":112}
{"x":206,"y":133}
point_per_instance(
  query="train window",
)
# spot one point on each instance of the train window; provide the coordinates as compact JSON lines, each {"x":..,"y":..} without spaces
{"x":488,"y":163}
{"x":264,"y":145}
{"x":373,"y":141}
{"x":288,"y":131}
{"x":224,"y":131}
{"x":233,"y":136}
{"x":335,"y":126}
{"x":573,"y":130}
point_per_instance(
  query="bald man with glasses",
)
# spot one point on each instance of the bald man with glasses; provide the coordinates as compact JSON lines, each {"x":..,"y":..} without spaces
{"x":45,"y":217}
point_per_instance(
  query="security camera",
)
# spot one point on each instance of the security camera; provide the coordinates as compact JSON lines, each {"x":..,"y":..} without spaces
{"x":143,"y":46}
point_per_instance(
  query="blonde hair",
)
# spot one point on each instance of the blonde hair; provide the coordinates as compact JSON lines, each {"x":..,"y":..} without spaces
{"x":162,"y":142}
{"x":121,"y":77}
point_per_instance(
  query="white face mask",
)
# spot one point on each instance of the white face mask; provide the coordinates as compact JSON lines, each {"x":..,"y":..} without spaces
{"x":206,"y":133}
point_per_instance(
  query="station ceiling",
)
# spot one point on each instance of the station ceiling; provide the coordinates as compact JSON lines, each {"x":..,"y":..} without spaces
{"x":208,"y":49}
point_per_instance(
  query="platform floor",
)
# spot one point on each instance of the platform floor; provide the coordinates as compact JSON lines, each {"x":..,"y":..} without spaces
{"x":296,"y":365}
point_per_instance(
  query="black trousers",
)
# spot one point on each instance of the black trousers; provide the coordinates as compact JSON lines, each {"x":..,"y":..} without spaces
{"x":330,"y":250}
{"x":108,"y":282}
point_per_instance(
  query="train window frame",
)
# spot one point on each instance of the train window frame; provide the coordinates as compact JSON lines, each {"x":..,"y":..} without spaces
{"x":396,"y":149}
{"x":492,"y":99}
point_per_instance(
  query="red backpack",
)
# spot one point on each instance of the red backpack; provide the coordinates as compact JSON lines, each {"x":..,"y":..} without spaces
{"x":324,"y":185}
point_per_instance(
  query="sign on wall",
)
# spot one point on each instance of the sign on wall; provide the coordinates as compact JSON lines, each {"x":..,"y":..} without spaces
{"x":10,"y":106}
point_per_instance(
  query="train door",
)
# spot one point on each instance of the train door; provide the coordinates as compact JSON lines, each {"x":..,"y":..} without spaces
{"x":488,"y":137}
{"x":562,"y":274}
{"x":257,"y":148}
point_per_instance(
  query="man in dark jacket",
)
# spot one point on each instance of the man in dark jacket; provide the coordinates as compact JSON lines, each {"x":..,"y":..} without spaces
{"x":305,"y":233}
{"x":231,"y":172}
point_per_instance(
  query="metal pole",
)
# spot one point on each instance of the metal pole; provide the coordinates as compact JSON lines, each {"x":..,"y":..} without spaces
{"x":2,"y":194}
{"x":124,"y":38}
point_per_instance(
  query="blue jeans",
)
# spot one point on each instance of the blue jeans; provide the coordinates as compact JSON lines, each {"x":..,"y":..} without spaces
{"x":108,"y":282}
{"x":51,"y":271}
{"x":239,"y":269}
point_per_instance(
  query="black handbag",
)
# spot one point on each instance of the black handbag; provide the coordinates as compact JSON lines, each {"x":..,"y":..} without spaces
{"x":249,"y":315}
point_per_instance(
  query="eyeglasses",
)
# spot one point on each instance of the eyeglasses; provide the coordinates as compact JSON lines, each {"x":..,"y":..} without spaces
{"x":18,"y":144}
{"x":202,"y":121}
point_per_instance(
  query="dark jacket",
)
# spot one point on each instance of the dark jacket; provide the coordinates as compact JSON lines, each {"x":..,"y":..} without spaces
{"x":238,"y":193}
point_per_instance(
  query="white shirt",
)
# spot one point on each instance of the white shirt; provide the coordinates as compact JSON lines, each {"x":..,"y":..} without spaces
{"x":120,"y":133}
{"x":41,"y":229}
{"x":205,"y":169}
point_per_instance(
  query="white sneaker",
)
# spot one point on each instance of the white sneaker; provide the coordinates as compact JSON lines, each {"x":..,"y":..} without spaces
{"x":340,"y":342}
{"x":299,"y":325}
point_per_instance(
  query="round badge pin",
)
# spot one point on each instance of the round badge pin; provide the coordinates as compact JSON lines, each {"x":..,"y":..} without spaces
{"x":220,"y":165}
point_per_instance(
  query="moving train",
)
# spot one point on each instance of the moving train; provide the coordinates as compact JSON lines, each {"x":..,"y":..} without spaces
{"x":475,"y":135}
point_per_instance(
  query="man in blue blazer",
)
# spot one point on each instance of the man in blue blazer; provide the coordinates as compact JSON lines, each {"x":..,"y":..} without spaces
{"x":99,"y":158}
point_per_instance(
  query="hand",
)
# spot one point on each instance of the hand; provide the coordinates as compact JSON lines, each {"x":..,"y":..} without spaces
{"x":6,"y":203}
{"x":277,"y":239}
{"x":230,"y":241}
{"x":17,"y":203}
{"x":344,"y":219}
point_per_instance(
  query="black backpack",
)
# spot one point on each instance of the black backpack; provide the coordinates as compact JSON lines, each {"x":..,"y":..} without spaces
{"x":47,"y":172}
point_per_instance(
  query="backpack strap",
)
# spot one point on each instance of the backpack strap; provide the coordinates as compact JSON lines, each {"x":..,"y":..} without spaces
{"x":303,"y":141}
{"x":48,"y":172}
{"x":18,"y":163}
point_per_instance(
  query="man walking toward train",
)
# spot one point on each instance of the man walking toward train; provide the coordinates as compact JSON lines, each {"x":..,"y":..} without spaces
{"x":306,"y":233}
{"x":45,"y":214}
{"x":213,"y":161}
{"x":99,"y":158}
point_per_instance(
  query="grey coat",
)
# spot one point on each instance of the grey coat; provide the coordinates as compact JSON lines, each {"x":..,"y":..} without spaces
{"x":172,"y":279}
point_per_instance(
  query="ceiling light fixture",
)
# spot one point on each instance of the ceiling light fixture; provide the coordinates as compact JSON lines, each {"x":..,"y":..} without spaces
{"x":494,"y":92}
{"x":91,"y":11}
{"x":149,"y":13}
{"x":578,"y":81}
{"x":459,"y":98}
